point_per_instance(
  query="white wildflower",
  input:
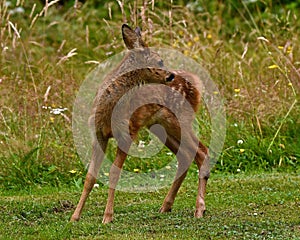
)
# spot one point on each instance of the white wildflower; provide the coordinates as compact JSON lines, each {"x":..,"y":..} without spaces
{"x":57,"y":111}
{"x":141,"y":144}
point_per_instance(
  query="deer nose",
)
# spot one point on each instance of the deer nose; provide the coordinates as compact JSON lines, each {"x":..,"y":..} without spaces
{"x":170,"y":77}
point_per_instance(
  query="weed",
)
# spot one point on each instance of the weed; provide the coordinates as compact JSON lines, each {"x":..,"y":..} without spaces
{"x":249,"y":48}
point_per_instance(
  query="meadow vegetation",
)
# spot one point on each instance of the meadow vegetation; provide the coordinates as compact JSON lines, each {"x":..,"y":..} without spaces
{"x":251,"y":51}
{"x":260,"y":206}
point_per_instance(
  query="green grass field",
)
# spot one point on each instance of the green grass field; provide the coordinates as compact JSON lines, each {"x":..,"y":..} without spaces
{"x":251,"y":51}
{"x":263,"y":206}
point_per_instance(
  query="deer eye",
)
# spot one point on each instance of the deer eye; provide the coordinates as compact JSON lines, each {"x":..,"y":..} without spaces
{"x":160,"y":63}
{"x":170,"y":77}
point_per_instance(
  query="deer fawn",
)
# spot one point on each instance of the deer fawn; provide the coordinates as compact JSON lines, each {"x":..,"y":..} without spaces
{"x":142,"y":67}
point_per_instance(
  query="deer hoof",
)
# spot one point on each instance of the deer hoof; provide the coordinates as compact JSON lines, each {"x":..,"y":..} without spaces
{"x":107,"y":219}
{"x":164,"y":210}
{"x":199,"y":213}
{"x":74,"y":218}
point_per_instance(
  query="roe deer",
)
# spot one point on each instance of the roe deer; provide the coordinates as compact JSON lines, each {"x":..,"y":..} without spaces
{"x":139,"y":68}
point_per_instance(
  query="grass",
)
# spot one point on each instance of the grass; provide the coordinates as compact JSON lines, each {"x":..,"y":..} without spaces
{"x":261,"y":206}
{"x":253,"y":62}
{"x":250,"y":49}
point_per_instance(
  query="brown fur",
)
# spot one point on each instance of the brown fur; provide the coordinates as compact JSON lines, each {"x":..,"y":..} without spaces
{"x":180,"y":88}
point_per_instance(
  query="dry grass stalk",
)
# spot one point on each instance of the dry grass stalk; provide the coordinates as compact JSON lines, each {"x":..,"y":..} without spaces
{"x":69,"y":55}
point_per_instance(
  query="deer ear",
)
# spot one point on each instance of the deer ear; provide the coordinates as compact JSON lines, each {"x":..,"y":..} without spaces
{"x":132,"y":38}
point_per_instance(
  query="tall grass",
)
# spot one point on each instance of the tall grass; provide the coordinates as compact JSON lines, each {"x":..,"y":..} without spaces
{"x":250,"y":50}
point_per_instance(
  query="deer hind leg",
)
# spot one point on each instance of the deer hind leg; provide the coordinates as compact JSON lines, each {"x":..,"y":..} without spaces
{"x":202,"y":160}
{"x":114,"y":176}
{"x":98,"y":152}
{"x":185,"y":157}
{"x":184,"y":161}
{"x":170,"y":197}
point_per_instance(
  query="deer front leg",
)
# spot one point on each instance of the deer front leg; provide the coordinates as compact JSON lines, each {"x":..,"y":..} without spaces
{"x":97,"y":157}
{"x":114,"y":176}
